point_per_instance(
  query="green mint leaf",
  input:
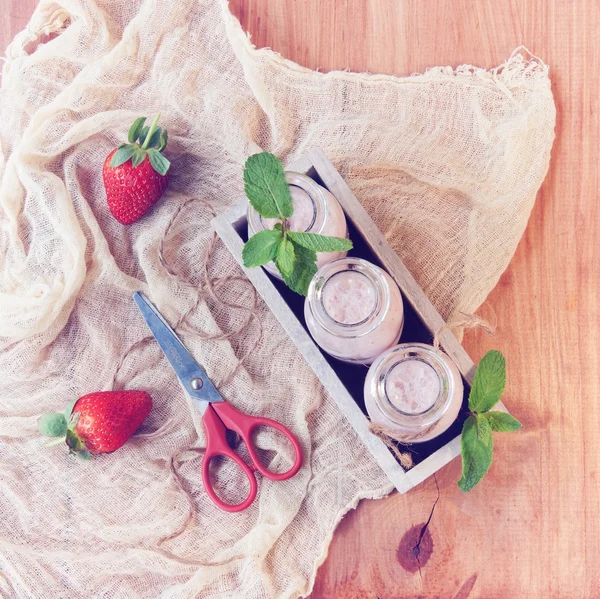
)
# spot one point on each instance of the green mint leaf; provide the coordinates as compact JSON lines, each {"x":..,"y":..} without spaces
{"x":135,"y":129}
{"x":266,"y":187}
{"x":261,"y":248}
{"x":489,"y":382}
{"x":122,"y":155}
{"x":304,"y":270}
{"x":138,"y":157}
{"x":286,"y":257}
{"x":159,"y":163}
{"x":502,"y":422}
{"x":476,"y":447}
{"x":321,"y":243}
{"x":52,"y":425}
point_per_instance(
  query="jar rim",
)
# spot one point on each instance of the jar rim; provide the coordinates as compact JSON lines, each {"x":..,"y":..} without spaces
{"x":314,"y":192}
{"x":376,"y":277}
{"x":427,"y":354}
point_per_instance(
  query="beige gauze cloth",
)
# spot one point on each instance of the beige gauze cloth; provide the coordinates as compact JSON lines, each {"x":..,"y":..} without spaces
{"x":447,"y":163}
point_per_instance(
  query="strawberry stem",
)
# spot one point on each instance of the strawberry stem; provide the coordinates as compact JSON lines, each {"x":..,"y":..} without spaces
{"x":151,"y":131}
{"x":54,"y":442}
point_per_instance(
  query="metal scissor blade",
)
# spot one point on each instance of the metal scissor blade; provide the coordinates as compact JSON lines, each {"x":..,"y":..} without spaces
{"x":193,"y":379}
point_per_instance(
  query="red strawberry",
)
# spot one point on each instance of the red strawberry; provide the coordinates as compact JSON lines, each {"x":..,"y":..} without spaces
{"x":135,"y":174}
{"x":99,"y":422}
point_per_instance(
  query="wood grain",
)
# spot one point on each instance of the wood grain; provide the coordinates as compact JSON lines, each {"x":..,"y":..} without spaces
{"x":532,"y":528}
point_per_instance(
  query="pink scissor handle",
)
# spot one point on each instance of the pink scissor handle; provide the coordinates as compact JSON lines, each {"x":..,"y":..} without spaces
{"x":243,"y":425}
{"x":216,"y":445}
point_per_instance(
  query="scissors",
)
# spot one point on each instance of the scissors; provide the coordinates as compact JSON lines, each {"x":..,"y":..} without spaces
{"x":217,"y":414}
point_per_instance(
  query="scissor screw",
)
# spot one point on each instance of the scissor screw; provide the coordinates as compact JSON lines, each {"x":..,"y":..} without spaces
{"x":196,"y":383}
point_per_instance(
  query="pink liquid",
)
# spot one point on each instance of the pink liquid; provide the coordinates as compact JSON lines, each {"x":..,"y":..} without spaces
{"x":349,"y":297}
{"x":412,"y":386}
{"x":350,"y":300}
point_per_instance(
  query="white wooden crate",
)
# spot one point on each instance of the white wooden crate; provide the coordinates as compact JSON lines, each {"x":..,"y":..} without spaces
{"x":231,"y":226}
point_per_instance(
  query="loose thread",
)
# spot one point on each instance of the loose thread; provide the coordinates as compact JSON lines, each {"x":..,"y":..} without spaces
{"x":465,"y":321}
{"x":207,"y":286}
{"x":124,"y":357}
{"x":388,"y":437}
{"x":179,"y":483}
{"x":165,"y":428}
{"x":210,"y":285}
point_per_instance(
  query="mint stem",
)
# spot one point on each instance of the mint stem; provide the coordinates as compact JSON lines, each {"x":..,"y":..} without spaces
{"x":151,"y":131}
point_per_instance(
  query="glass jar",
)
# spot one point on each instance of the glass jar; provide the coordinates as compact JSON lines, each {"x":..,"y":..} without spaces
{"x":316,"y":210}
{"x":354,"y":310}
{"x":415,"y":391}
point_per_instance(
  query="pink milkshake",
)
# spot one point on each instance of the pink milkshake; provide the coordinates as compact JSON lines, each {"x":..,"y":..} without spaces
{"x":354,"y":310}
{"x":415,"y":391}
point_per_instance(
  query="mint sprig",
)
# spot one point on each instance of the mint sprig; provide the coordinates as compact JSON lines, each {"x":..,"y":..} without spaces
{"x":477,"y":443}
{"x":320,"y":243}
{"x":294,"y":253}
{"x":305,"y":269}
{"x":266,"y":187}
{"x":262,"y":248}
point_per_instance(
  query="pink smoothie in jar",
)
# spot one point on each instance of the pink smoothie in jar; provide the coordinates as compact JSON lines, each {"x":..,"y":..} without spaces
{"x":315,"y":211}
{"x":414,"y":391}
{"x":354,"y":310}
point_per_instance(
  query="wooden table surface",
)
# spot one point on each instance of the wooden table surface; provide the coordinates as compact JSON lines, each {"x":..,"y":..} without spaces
{"x":532,"y":528}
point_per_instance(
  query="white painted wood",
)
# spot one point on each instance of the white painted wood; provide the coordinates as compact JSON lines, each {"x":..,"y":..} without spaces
{"x":228,"y":226}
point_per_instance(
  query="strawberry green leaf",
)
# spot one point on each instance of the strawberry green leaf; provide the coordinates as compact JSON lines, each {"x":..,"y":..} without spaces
{"x":84,"y":454}
{"x":74,"y":442}
{"x":502,"y":422}
{"x":164,"y":137}
{"x":142,"y":134}
{"x":122,"y":155}
{"x":155,"y":137}
{"x":69,"y":408}
{"x":321,"y":243}
{"x":261,"y":248}
{"x":52,"y":425}
{"x":138,"y":157}
{"x":285,"y":257}
{"x":159,"y":163}
{"x":476,"y":447}
{"x":135,"y":129}
{"x":489,"y":382}
{"x":266,"y":187}
{"x":304,"y":270}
